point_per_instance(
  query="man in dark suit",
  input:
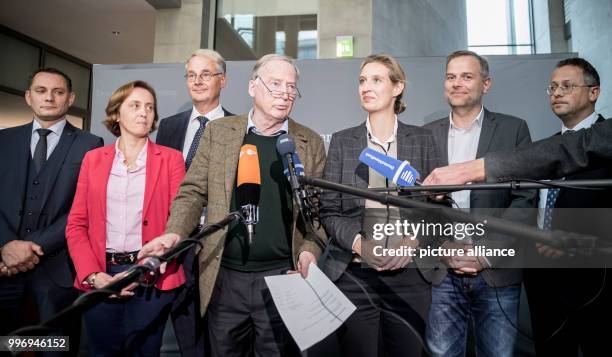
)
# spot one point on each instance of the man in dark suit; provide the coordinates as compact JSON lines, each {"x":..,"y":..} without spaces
{"x":39,"y":171}
{"x":565,"y":318}
{"x":206,"y":76}
{"x":472,"y":286}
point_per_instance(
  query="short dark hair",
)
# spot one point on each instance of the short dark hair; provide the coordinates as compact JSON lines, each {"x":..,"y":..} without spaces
{"x":484,"y":64}
{"x":52,"y":71}
{"x":589,"y":73}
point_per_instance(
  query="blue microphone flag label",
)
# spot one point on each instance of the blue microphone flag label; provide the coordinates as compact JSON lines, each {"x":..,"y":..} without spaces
{"x":400,"y":172}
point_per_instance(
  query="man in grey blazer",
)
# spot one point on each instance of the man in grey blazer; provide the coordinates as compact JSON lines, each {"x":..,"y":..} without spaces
{"x":472,"y":287}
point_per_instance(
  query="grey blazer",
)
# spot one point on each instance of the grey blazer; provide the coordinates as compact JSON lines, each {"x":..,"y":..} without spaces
{"x":342,"y":216}
{"x":499,"y":132}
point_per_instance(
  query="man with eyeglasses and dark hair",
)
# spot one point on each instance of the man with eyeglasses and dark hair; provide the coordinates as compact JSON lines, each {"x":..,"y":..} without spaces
{"x":556,"y":296}
{"x":241,"y":316}
{"x":206,"y":77}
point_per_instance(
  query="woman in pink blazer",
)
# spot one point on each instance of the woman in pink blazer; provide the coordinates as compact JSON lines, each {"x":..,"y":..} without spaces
{"x":122,"y":201}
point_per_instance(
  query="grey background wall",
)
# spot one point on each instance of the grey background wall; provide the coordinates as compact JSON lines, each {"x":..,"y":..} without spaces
{"x":330,"y":99}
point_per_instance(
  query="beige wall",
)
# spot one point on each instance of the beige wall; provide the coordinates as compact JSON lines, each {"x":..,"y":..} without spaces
{"x":345,"y":17}
{"x":178,"y":32}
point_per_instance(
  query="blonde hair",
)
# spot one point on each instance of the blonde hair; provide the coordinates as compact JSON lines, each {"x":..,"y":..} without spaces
{"x":118,"y":97}
{"x":396,"y":75}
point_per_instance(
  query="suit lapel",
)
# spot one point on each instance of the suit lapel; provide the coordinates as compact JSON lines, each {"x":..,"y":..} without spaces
{"x":234,"y":137}
{"x":361,"y":177}
{"x":57,"y":158}
{"x":106,"y":164}
{"x":182,"y":129}
{"x":486,"y":133}
{"x":441,"y":137}
{"x":23,"y":140}
{"x":153,"y":171}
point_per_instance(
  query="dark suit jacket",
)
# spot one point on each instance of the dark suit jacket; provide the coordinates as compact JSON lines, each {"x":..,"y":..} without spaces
{"x":58,"y":194}
{"x":499,"y":132}
{"x":342,"y":216}
{"x":578,"y":211}
{"x":595,"y":216}
{"x":172,"y":130}
{"x":555,"y":157}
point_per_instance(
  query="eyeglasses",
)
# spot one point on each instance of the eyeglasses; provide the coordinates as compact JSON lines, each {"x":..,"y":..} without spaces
{"x":275,"y":88}
{"x":564,"y":89}
{"x":204,"y":76}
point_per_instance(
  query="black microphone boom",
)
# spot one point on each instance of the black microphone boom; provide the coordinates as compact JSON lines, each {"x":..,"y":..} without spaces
{"x":575,"y":243}
{"x":510,"y":185}
{"x":134,"y":274}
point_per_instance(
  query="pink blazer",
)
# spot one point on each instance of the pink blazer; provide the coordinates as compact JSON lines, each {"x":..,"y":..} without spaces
{"x":86,"y":227}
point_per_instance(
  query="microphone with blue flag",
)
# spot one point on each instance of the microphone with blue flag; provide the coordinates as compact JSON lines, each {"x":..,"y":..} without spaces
{"x":299,"y":168}
{"x":399,"y":172}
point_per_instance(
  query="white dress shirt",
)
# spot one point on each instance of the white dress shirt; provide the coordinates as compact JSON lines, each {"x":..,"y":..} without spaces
{"x":462,"y":147}
{"x":194,"y":125}
{"x":52,"y":139}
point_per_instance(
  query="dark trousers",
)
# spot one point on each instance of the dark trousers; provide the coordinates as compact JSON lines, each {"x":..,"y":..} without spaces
{"x":31,"y":297}
{"x":242,"y":318}
{"x":186,"y":319}
{"x":130,"y":326}
{"x":562,"y":302}
{"x":374,"y":329}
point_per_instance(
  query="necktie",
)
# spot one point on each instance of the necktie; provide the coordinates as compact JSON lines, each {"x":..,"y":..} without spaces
{"x":196,"y":141}
{"x":40,"y":152}
{"x":551,"y":198}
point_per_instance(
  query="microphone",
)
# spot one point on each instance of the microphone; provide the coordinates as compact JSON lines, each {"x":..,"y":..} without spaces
{"x":285,"y":146}
{"x":399,"y":172}
{"x":249,"y":187}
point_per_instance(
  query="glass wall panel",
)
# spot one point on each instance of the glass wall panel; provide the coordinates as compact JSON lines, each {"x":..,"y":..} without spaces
{"x":18,"y":60}
{"x":247,"y":29}
{"x":77,"y":73}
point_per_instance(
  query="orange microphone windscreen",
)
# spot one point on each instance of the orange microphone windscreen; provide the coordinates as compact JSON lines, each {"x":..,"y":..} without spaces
{"x":248,"y":166}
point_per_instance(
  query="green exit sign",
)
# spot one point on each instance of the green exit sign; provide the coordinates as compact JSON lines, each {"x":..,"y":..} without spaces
{"x":344,"y":46}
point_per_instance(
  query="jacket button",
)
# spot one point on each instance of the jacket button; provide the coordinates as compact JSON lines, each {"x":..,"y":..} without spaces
{"x":36,"y":182}
{"x":30,"y":213}
{"x":145,"y":222}
{"x":33,"y":197}
{"x":28,"y":230}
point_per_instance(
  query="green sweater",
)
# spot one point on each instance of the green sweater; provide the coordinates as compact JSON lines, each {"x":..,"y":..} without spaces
{"x":271,"y":248}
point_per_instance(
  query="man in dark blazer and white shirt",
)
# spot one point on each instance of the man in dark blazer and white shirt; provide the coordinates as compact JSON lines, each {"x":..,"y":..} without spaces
{"x":38,"y":175}
{"x":569,"y":306}
{"x":470,"y":289}
{"x":206,"y":76}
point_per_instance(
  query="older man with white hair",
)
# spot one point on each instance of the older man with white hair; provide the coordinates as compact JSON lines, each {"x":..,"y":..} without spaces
{"x":242,"y":318}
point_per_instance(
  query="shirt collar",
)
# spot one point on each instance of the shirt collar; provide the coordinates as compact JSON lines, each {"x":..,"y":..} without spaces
{"x":375,"y":139}
{"x":584,"y":124}
{"x":477,"y":121}
{"x":216,"y":113}
{"x":251,"y":126}
{"x":56,"y":128}
{"x":141,"y":160}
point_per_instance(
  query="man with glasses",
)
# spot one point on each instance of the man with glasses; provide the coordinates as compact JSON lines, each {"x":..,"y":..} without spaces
{"x":567,"y":305}
{"x":206,"y":76}
{"x":242,"y":318}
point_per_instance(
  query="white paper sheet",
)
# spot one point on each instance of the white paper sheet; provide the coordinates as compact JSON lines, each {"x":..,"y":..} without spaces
{"x":311,"y":308}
